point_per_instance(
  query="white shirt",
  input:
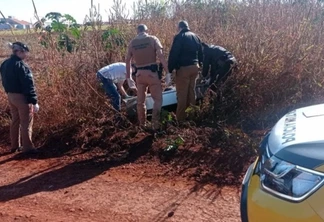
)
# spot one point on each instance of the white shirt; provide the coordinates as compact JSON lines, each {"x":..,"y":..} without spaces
{"x":116,"y":72}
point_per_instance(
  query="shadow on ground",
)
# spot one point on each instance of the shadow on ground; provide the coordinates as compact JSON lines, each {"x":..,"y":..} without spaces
{"x":219,"y":166}
{"x":71,"y":174}
{"x":55,"y":145}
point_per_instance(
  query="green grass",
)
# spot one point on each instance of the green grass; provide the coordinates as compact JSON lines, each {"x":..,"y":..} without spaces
{"x":25,"y":32}
{"x":16,"y":32}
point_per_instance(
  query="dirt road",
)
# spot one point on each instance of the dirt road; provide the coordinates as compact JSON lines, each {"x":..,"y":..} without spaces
{"x":66,"y":189}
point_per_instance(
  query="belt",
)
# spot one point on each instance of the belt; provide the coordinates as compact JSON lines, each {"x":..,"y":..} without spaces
{"x":146,"y":67}
{"x":102,"y":76}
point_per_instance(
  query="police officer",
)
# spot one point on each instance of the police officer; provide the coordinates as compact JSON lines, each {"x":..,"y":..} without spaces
{"x":185,"y":57}
{"x":219,"y":61}
{"x":145,"y":49}
{"x":17,"y":80}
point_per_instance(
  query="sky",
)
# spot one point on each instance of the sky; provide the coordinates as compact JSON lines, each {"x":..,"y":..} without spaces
{"x":23,"y":9}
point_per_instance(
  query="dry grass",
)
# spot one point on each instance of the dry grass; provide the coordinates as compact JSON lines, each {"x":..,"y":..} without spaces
{"x":279,"y":47}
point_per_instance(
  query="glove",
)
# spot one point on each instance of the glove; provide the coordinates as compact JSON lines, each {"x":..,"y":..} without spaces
{"x":131,"y":83}
{"x":35,"y":108}
{"x":127,"y":97}
{"x":207,"y":81}
{"x":168,"y":79}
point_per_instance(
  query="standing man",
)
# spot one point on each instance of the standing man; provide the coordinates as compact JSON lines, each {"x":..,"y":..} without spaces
{"x":219,"y":61}
{"x":185,"y":57}
{"x":113,"y":77}
{"x":145,"y":49}
{"x":18,"y":83}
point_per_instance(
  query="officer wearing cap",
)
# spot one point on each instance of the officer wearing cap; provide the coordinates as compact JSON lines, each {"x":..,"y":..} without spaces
{"x":144,"y":50}
{"x":18,"y":83}
{"x":219,"y":61}
{"x":185,"y":57}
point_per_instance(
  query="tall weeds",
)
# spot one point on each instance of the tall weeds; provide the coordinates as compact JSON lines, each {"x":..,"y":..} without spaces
{"x":279,"y":46}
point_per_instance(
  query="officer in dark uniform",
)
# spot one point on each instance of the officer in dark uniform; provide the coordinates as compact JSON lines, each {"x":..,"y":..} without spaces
{"x":186,"y":56}
{"x":18,"y":83}
{"x":219,"y":61}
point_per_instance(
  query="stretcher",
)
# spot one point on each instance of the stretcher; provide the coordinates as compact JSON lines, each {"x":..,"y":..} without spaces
{"x":169,"y":98}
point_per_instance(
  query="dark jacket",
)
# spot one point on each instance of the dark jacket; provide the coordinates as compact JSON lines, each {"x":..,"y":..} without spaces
{"x":212,"y":55}
{"x":186,"y":50}
{"x":17,"y":78}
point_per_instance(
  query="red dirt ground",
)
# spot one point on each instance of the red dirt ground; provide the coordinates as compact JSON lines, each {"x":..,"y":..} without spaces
{"x":87,"y":187}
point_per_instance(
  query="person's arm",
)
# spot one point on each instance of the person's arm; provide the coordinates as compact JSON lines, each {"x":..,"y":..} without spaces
{"x":27,"y":82}
{"x":174,"y":53}
{"x":1,"y":74}
{"x":163,"y":60}
{"x":128,"y":62}
{"x":159,"y":52}
{"x":200,"y":54}
{"x":206,"y":64}
{"x":129,"y":77}
{"x":121,"y":88}
{"x":1,"y":67}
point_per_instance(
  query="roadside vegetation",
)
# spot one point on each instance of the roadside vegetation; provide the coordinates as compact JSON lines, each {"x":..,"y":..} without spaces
{"x":279,"y":45}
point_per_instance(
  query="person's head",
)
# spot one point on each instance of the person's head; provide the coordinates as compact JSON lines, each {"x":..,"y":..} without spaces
{"x":141,"y":28}
{"x":19,"y":49}
{"x":183,"y":25}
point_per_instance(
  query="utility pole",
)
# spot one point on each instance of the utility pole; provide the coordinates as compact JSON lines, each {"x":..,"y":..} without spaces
{"x":91,"y":11}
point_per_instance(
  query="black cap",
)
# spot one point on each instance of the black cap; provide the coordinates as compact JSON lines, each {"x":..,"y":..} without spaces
{"x":141,"y":28}
{"x":183,"y":24}
{"x":19,"y":46}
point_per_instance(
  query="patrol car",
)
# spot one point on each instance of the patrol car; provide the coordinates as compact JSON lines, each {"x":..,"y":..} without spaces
{"x":285,"y":183}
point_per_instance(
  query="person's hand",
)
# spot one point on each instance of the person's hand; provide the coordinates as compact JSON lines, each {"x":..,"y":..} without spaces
{"x":134,"y":91}
{"x":168,"y":79}
{"x":207,"y":81}
{"x":127,"y":96}
{"x":131,"y":84}
{"x":35,"y":108}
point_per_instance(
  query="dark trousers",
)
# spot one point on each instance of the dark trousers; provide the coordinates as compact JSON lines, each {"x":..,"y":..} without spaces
{"x":111,"y":91}
{"x":221,"y":73}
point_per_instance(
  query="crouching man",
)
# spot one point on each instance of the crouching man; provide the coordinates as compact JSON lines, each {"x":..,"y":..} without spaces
{"x":219,"y":61}
{"x":112,"y":78}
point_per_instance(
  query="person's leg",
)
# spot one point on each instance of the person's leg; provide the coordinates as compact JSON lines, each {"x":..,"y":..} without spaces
{"x":141,"y":96}
{"x":15,"y":124}
{"x":155,"y":87}
{"x":112,"y":93}
{"x":213,"y":75}
{"x":182,"y":84}
{"x":224,"y":71}
{"x":193,"y":74}
{"x":26,"y":122}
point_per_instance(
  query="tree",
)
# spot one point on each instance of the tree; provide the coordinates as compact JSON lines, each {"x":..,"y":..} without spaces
{"x":64,"y":25}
